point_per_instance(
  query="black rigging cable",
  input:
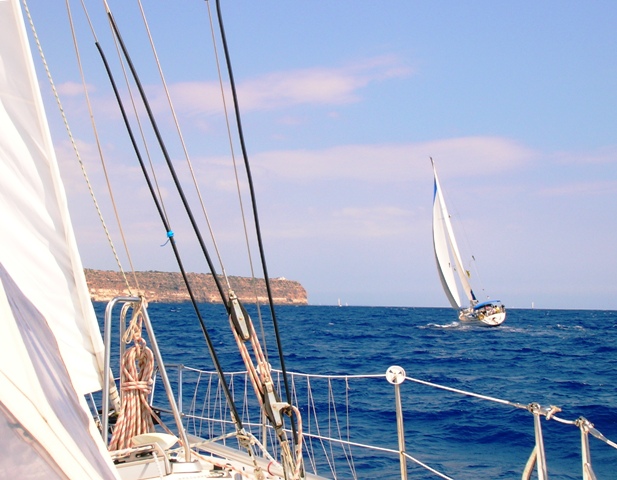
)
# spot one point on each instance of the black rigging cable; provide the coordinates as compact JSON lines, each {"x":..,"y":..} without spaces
{"x":215,"y":360}
{"x":255,"y":214}
{"x":170,"y":165}
{"x":194,"y":223}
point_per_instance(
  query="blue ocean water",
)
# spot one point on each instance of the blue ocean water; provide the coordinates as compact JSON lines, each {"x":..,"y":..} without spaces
{"x":565,"y":358}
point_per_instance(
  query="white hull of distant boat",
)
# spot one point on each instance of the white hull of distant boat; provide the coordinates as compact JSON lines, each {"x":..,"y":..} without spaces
{"x":451,"y":270}
{"x":488,"y":314}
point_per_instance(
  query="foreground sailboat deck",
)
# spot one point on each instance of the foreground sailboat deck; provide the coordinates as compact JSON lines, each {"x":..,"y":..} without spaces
{"x":336,"y":443}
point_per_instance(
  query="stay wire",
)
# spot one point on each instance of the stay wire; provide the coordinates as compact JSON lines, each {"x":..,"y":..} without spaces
{"x":139,"y":123}
{"x":182,"y":142}
{"x":99,"y":147}
{"x":217,"y":365}
{"x":73,"y":142}
{"x":240,"y":202}
{"x":255,"y":213}
{"x":165,"y":153}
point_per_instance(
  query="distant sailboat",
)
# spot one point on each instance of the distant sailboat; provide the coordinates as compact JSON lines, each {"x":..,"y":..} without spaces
{"x":450,"y":267}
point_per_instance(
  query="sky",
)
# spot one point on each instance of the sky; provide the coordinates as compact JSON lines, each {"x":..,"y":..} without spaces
{"x":342,"y":105}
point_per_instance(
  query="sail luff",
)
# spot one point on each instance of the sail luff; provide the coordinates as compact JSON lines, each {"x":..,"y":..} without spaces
{"x":460,"y":269}
{"x":51,"y":348}
{"x":440,"y":248}
{"x":39,"y":249}
{"x":451,"y":240}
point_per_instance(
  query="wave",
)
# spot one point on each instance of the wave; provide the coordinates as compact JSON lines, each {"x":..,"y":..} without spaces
{"x":441,"y":326}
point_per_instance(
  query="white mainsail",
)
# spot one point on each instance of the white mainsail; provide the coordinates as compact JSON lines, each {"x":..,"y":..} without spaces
{"x":442,"y":255}
{"x":51,"y":349}
{"x":446,"y":250}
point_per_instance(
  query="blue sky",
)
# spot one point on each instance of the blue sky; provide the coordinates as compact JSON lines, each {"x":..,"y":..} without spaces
{"x":342,"y":105}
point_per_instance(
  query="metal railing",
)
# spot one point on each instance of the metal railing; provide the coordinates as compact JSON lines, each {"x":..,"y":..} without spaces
{"x":334,"y":409}
{"x":333,"y":440}
{"x":108,"y":380}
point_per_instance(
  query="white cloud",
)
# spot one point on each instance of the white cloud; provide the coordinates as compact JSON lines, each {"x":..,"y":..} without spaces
{"x":192,"y":98}
{"x":72,"y":89}
{"x":380,"y":221}
{"x":392,"y":162}
{"x":325,"y":86}
{"x":585,"y":188}
{"x":278,"y":90}
{"x":602,"y":156}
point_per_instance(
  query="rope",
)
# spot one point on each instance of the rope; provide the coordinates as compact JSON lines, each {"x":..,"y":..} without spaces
{"x":162,"y":214}
{"x":298,"y":446}
{"x":249,"y":178}
{"x":137,"y":366}
{"x":259,"y":377}
{"x":70,"y":135}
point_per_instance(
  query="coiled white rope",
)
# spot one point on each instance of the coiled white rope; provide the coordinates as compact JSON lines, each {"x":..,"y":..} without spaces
{"x":137,"y":368}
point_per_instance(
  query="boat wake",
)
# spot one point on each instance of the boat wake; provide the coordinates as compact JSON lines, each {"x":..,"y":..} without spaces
{"x":444,"y":326}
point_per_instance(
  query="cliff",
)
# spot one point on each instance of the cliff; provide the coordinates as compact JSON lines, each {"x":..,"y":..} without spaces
{"x":169,"y":287}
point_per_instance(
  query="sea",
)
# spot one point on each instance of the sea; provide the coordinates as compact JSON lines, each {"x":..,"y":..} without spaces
{"x":562,"y":358}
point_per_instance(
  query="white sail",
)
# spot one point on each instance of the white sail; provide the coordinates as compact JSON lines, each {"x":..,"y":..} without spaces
{"x":446,"y":250}
{"x":50,"y":343}
{"x":442,"y":255}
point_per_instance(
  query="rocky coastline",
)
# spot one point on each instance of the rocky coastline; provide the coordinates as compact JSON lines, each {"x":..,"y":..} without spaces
{"x":169,"y":287}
